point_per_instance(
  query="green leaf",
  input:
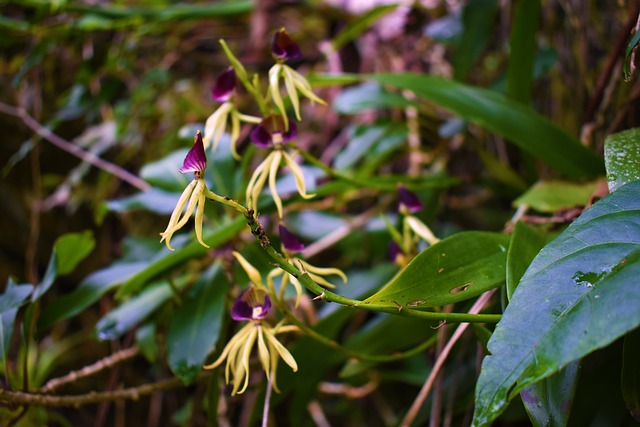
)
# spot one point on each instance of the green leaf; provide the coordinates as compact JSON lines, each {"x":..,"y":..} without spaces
{"x":455,"y":269}
{"x":631,"y":373}
{"x":133,"y":311}
{"x":360,"y":25}
{"x":166,"y":259}
{"x":196,"y":325}
{"x":578,"y":295}
{"x":73,"y":248}
{"x":146,"y":341}
{"x":526,"y":242}
{"x":516,"y":122}
{"x":549,"y":401}
{"x":88,"y":292}
{"x":478,"y":23}
{"x":13,"y":297}
{"x":522,"y":50}
{"x":552,"y":196}
{"x":627,"y":57}
{"x":366,"y":97}
{"x":622,"y":158}
{"x":153,"y":200}
{"x":165,"y":173}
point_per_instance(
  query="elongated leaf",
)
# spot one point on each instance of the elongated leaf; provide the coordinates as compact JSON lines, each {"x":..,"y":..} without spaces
{"x":367,"y":96}
{"x":455,"y":269}
{"x":360,"y":25}
{"x":627,"y":57}
{"x":622,"y":158}
{"x":133,"y":311}
{"x":196,"y":324}
{"x":67,"y":252}
{"x":13,"y":297}
{"x":551,"y":196}
{"x":578,"y":295}
{"x":526,"y":242}
{"x":522,"y":50}
{"x":548,"y":402}
{"x":88,"y":292}
{"x":519,"y":124}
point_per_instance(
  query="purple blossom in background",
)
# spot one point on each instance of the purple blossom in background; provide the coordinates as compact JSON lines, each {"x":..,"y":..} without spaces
{"x":196,"y":160}
{"x":284,"y":47}
{"x":409,"y":201}
{"x":289,"y":240}
{"x":251,"y":304}
{"x":272,"y":130}
{"x":224,"y":86}
{"x":394,"y":251}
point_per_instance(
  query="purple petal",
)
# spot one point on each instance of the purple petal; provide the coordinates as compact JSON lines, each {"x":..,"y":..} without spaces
{"x":409,"y":200}
{"x":262,"y":135}
{"x":290,"y":241}
{"x":251,"y":304}
{"x":224,"y":86}
{"x":196,"y":160}
{"x":394,"y":251}
{"x":284,"y":47}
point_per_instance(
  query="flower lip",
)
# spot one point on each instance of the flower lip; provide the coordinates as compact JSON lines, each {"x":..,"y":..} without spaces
{"x":289,"y":240}
{"x":196,"y":160}
{"x":284,"y":47}
{"x":264,"y":135}
{"x":252,"y":304}
{"x":409,"y":201}
{"x":224,"y":86}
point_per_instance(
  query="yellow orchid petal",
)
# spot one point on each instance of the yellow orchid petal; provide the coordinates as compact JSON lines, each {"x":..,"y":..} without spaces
{"x":199,"y":220}
{"x":215,"y":125}
{"x":225,"y":352}
{"x":193,"y":201}
{"x":252,"y":272}
{"x":255,"y":178}
{"x":246,"y":353}
{"x":296,"y":284}
{"x":304,"y":87}
{"x":273,"y":273}
{"x":263,"y":353}
{"x":321,"y":280}
{"x":282,"y":351}
{"x":296,"y":170}
{"x":421,"y":229}
{"x":323,"y":271}
{"x":235,"y":135}
{"x":273,"y":173}
{"x":291,"y":90}
{"x":274,"y":90}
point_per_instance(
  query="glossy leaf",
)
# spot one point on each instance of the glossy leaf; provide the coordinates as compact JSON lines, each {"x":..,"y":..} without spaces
{"x":622,"y":158}
{"x":196,"y":324}
{"x":367,"y":96}
{"x":133,"y":311}
{"x":455,"y":269}
{"x":519,"y":124}
{"x":13,"y":297}
{"x":88,"y":292}
{"x":526,"y":242}
{"x":548,"y":402}
{"x":580,"y":290}
{"x":552,"y":196}
{"x":631,"y":373}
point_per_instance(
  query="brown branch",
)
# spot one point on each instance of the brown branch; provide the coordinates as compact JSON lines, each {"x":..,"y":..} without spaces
{"x":73,"y":149}
{"x":98,"y":366}
{"x":133,"y":393}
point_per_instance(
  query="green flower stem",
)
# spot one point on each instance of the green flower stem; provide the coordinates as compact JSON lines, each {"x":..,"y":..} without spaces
{"x":242,"y":75}
{"x":258,"y":231}
{"x":350,"y":353}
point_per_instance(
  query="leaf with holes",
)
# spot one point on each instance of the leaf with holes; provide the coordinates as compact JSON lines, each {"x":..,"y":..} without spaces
{"x":579,"y":294}
{"x":455,"y":269}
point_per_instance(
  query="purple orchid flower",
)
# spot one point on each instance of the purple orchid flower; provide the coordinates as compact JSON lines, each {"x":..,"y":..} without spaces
{"x":196,"y":160}
{"x":272,"y":130}
{"x":409,"y":201}
{"x":252,"y":304}
{"x":283,"y":47}
{"x":289,"y":240}
{"x":224,"y":86}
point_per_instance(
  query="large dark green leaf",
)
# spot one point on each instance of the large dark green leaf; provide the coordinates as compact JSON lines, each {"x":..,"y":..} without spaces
{"x":522,"y":50}
{"x":551,"y":196}
{"x":455,"y":269}
{"x":578,"y":295}
{"x":519,"y":124}
{"x":622,"y":158}
{"x":478,"y":22}
{"x":196,"y":324}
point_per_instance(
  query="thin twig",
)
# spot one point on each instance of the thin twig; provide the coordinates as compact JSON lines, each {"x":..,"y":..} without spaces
{"x":267,"y":401}
{"x":133,"y":393}
{"x":73,"y":149}
{"x":96,"y":367}
{"x":426,"y":388}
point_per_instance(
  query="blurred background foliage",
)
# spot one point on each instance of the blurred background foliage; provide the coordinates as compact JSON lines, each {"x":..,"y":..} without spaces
{"x":129,"y":81}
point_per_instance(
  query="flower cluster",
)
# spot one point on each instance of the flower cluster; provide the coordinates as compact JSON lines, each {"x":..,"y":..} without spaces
{"x":401,"y":248}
